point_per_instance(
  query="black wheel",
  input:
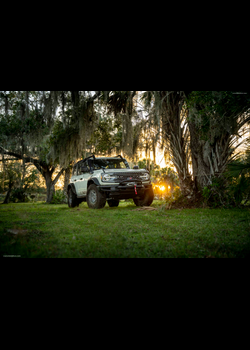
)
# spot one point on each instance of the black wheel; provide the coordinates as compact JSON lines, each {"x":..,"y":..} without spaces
{"x":146,"y":200}
{"x":95,"y":199}
{"x":72,"y":199}
{"x":113,"y":203}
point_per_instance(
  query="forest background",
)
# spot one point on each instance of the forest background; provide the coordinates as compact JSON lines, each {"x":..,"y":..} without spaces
{"x":194,"y":143}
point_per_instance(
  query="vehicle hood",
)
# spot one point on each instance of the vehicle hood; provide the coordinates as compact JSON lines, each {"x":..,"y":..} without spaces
{"x":125,"y":171}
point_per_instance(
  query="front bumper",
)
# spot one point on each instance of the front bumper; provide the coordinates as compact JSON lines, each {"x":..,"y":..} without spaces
{"x":124,"y":190}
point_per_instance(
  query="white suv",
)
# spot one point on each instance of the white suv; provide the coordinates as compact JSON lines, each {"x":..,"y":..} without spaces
{"x":97,"y":180}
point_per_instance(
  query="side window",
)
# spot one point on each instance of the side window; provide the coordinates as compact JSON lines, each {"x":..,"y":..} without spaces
{"x":79,"y":169}
{"x":84,"y":168}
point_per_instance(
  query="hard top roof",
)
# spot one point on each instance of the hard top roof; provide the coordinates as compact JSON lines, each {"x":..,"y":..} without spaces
{"x":93,"y":156}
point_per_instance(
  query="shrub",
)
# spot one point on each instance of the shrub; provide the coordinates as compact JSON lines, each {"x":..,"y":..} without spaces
{"x":173,"y":197}
{"x":226,"y":191}
{"x":19,"y":195}
{"x":59,"y":197}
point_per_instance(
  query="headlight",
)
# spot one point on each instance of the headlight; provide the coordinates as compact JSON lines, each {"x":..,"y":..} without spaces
{"x":145,"y":177}
{"x":108,"y":177}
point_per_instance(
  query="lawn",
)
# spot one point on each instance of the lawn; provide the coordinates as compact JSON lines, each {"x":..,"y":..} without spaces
{"x":42,"y":230}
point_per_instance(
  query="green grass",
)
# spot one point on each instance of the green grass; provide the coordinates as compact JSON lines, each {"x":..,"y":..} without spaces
{"x":58,"y":231}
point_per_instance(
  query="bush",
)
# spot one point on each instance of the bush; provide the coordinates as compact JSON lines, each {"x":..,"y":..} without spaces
{"x":59,"y":197}
{"x":19,"y":195}
{"x":173,"y":197}
{"x":226,"y":191}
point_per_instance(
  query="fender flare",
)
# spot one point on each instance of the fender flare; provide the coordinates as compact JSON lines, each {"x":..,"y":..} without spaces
{"x":93,"y":180}
{"x":72,"y":186}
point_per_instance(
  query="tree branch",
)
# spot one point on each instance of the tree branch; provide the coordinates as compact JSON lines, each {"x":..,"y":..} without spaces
{"x":58,"y":176}
{"x":37,"y":163}
{"x":244,"y":122}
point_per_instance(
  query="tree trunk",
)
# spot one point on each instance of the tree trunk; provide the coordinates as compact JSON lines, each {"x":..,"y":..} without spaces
{"x":66,"y":180}
{"x":209,"y":157}
{"x":186,"y":186}
{"x":46,"y":171}
{"x":49,"y":186}
{"x":7,"y":198}
{"x":175,"y":134}
{"x":127,"y":135}
{"x":201,"y":168}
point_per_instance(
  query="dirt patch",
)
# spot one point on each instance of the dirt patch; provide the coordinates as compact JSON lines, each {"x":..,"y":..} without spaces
{"x":17,"y":231}
{"x":144,"y":208}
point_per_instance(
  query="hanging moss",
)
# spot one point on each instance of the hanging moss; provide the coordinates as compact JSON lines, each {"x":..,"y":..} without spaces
{"x":68,"y":141}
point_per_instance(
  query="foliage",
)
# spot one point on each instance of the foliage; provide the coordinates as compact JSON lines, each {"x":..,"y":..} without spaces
{"x":107,"y":136}
{"x":121,"y":101}
{"x":164,"y":178}
{"x":9,"y":174}
{"x":239,"y":173}
{"x":142,"y":164}
{"x":19,"y":195}
{"x":173,"y":196}
{"x":27,"y":119}
{"x":22,"y":121}
{"x":218,"y":194}
{"x":12,"y":178}
{"x":217,"y":120}
{"x":217,"y":111}
{"x":59,"y":197}
{"x":227,"y":191}
{"x":233,"y":187}
{"x":23,"y":187}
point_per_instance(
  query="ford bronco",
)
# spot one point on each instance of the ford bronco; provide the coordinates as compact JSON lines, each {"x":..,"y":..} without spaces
{"x":108,"y":179}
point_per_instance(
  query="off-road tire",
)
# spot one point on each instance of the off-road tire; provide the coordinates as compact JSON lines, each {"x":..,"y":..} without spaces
{"x":113,"y":203}
{"x":95,"y":199}
{"x":146,"y":200}
{"x":72,"y":199}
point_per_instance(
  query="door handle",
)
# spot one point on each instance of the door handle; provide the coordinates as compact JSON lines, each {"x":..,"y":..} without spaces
{"x":81,"y":179}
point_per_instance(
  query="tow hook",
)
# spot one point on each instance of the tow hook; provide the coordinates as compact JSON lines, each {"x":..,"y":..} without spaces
{"x":135,"y":190}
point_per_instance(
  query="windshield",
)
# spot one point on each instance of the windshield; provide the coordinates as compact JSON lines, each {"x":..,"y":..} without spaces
{"x":110,"y":164}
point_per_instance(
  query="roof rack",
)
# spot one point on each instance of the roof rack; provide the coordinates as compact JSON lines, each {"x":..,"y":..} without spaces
{"x":93,"y":156}
{"x":83,"y":160}
{"x":119,"y":156}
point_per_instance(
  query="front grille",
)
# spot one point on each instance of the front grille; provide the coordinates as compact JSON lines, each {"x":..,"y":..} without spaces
{"x":124,"y":177}
{"x":128,"y":177}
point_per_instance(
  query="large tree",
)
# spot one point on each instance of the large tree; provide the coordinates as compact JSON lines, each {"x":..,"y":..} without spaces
{"x":216,"y":121}
{"x":168,"y":113}
{"x":205,"y":126}
{"x":26,"y":121}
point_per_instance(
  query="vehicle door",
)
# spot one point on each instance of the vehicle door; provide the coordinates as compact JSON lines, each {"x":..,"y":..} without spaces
{"x":82,"y":179}
{"x":86,"y":176}
{"x":77,"y":180}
